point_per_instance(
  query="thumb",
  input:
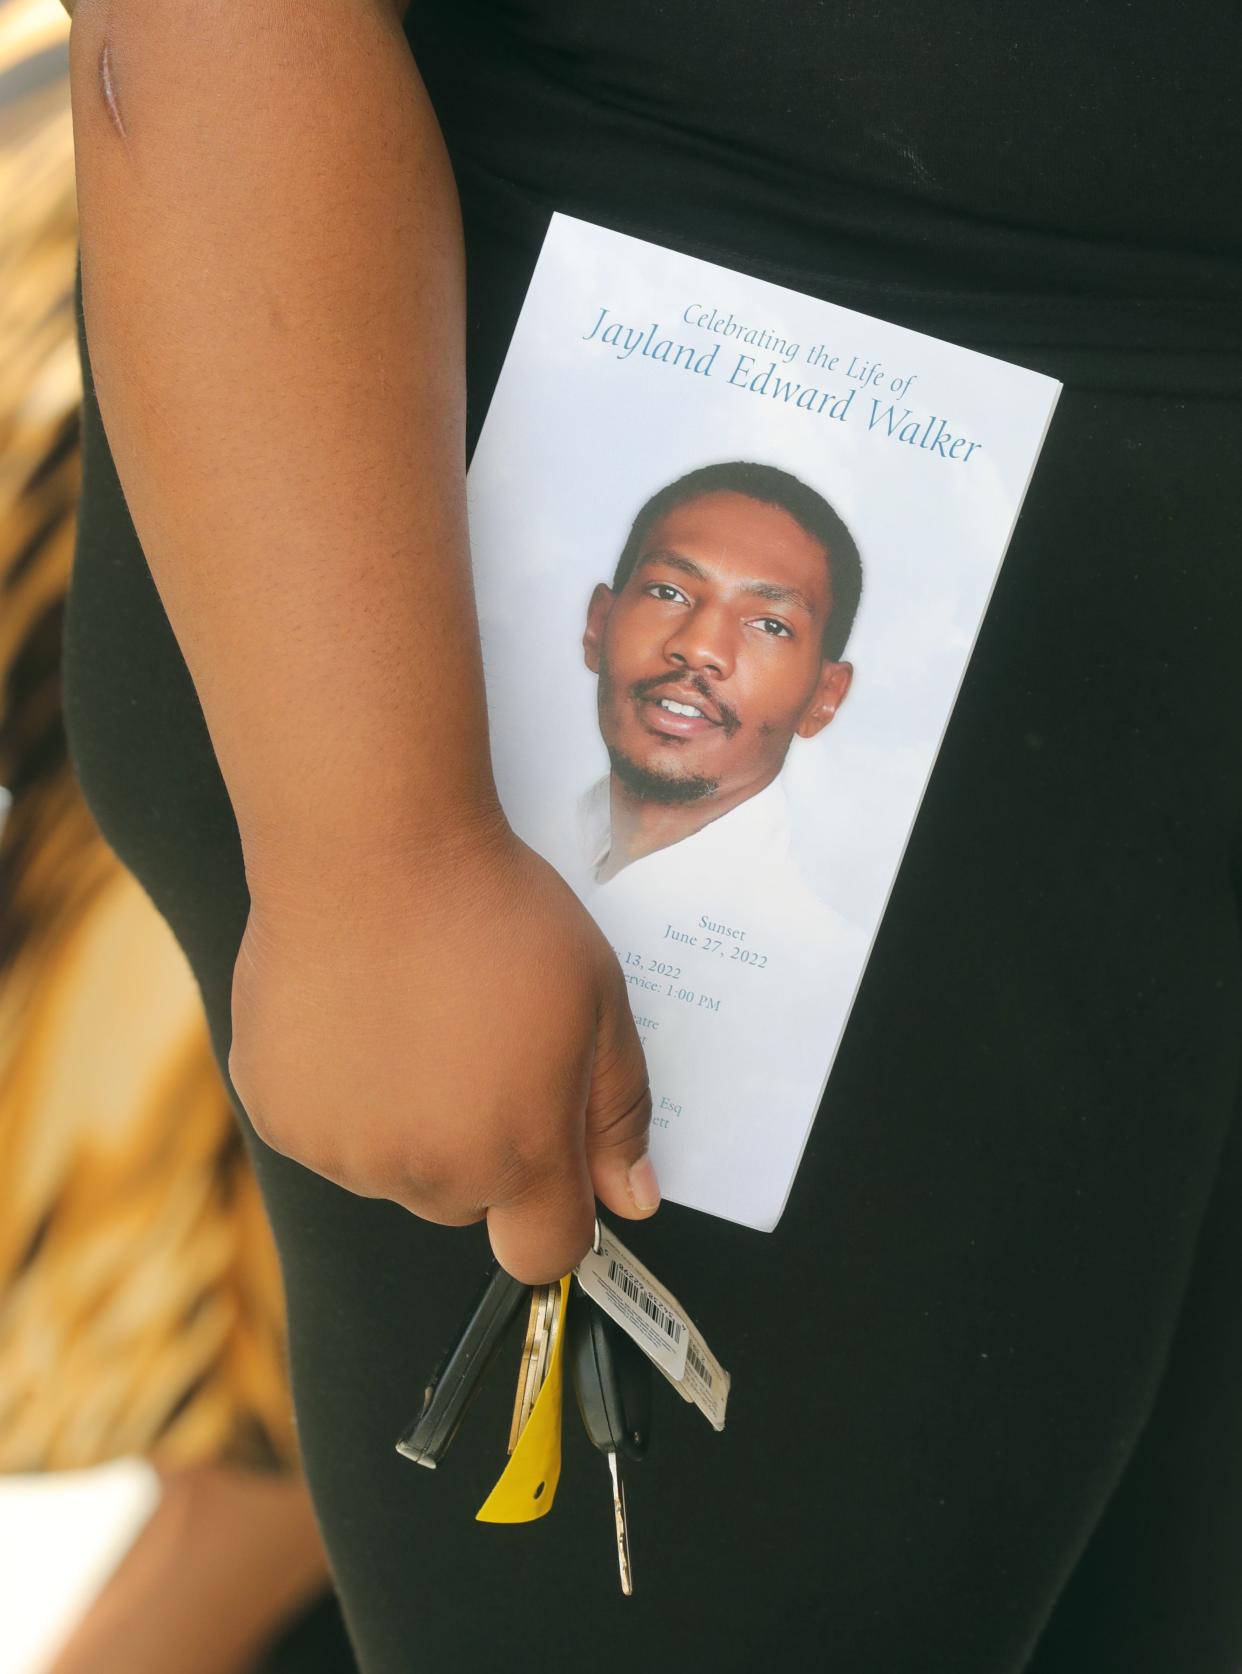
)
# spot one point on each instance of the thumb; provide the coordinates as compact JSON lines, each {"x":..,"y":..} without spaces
{"x":618,"y":1114}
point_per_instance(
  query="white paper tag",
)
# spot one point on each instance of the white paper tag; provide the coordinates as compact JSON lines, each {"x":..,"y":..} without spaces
{"x":630,"y":1293}
{"x":706,"y":1381}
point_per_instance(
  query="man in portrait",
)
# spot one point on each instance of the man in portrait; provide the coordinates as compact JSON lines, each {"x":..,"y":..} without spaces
{"x":719,"y":640}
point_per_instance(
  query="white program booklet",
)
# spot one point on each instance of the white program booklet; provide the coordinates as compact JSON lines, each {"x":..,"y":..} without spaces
{"x":732,"y":546}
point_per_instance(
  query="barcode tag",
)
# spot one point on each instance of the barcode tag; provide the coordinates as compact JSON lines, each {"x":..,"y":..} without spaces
{"x":707,"y":1381}
{"x":632,"y":1295}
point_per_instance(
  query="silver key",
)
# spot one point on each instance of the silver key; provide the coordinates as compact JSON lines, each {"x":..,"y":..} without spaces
{"x":612,"y":1381}
{"x":623,"y":1533}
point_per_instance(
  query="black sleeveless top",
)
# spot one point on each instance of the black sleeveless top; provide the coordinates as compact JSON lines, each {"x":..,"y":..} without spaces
{"x":1057,"y":184}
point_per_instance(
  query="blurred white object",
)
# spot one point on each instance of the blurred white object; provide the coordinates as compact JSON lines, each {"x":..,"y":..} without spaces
{"x":63,"y":1534}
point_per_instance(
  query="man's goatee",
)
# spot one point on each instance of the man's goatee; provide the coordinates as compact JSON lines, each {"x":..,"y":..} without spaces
{"x":659,"y":787}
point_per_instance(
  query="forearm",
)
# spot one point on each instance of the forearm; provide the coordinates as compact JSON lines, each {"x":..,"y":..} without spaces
{"x":273,"y":288}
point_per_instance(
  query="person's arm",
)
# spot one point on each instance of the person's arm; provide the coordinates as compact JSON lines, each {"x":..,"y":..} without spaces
{"x":273,"y":288}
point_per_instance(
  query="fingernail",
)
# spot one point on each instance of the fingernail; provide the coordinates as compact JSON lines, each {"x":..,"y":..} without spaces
{"x":644,"y":1187}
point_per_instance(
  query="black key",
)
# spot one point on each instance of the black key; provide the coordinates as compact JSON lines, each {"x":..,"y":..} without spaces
{"x":458,"y":1377}
{"x":612,"y":1381}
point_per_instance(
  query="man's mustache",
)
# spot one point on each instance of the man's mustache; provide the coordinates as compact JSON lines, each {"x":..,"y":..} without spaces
{"x":729,"y":718}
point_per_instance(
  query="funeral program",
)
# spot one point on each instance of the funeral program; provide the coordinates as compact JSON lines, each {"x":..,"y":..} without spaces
{"x":732,"y":546}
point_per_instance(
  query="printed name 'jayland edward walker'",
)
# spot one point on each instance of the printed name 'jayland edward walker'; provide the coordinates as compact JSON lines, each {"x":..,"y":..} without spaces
{"x":928,"y":432}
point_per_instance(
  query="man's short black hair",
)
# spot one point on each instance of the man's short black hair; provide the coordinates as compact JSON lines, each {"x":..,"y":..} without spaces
{"x":773,"y":487}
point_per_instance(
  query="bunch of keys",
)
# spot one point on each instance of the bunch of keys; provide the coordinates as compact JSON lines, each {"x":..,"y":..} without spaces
{"x":610,"y":1373}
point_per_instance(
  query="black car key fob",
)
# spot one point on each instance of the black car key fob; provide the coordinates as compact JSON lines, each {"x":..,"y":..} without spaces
{"x":612,"y":1380}
{"x":611,"y":1377}
{"x":458,"y":1377}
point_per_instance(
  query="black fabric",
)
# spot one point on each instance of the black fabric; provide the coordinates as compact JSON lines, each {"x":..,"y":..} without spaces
{"x":988,"y":1369}
{"x":315,"y":1642}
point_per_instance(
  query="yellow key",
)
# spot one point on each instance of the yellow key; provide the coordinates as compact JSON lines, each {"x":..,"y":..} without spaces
{"x":527,"y":1485}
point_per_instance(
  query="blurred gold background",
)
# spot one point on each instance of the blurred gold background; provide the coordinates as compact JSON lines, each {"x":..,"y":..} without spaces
{"x":141,"y":1309}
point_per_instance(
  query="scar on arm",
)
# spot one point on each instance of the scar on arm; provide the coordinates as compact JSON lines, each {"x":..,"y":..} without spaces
{"x":109,"y":91}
